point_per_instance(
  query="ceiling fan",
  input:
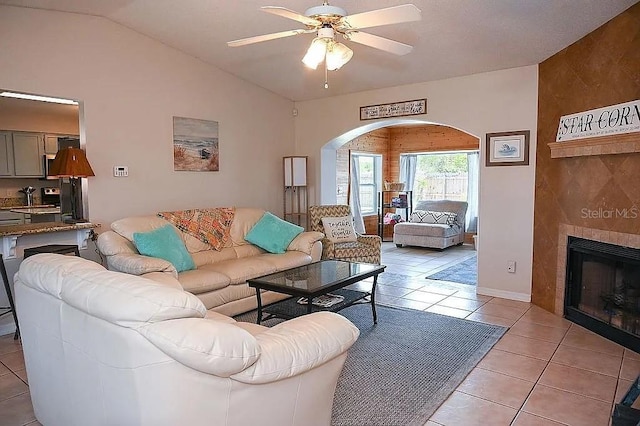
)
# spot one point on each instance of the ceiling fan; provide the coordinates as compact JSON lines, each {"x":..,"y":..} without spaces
{"x":328,"y":22}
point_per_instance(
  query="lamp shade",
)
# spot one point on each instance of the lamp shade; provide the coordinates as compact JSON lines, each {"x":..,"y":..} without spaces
{"x":316,"y":53}
{"x":295,"y":171}
{"x":71,"y":162}
{"x":337,"y":55}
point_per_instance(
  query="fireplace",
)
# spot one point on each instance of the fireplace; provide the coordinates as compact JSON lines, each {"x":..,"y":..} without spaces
{"x":603,"y":290}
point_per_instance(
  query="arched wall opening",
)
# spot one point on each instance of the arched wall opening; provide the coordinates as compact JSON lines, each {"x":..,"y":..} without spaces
{"x":328,"y":193}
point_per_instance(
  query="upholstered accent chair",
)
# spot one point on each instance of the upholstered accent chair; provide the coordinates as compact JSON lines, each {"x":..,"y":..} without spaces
{"x":366,"y":249}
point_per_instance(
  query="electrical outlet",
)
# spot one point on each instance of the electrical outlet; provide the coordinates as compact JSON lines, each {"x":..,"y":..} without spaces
{"x":120,"y":171}
{"x":10,"y":192}
{"x":511,"y":266}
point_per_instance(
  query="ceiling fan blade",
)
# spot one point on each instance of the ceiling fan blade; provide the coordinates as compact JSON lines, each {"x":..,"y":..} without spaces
{"x":266,"y":37}
{"x":381,"y":43}
{"x":387,"y":16}
{"x":290,"y":14}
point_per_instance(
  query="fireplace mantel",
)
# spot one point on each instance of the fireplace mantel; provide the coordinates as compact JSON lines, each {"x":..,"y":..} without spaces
{"x":601,"y":145}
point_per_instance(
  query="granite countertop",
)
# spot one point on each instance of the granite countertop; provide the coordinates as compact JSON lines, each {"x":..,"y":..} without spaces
{"x":36,"y":210}
{"x":44,"y":227}
{"x":25,"y":207}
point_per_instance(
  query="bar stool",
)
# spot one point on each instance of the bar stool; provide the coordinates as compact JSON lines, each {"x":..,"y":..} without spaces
{"x":52,"y":248}
{"x":12,"y":307}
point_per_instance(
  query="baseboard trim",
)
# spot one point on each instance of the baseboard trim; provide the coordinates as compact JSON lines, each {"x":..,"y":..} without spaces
{"x":512,"y":295}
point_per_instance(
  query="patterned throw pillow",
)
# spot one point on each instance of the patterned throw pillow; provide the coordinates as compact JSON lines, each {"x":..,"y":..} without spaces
{"x":339,"y":229}
{"x":428,"y":216}
{"x":211,"y":226}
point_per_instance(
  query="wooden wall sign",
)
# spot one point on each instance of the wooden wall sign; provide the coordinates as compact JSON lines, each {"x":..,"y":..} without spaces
{"x":396,"y":109}
{"x":614,"y":119}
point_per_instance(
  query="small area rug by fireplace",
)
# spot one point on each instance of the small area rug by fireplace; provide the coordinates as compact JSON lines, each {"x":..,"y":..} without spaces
{"x":399,"y":371}
{"x":465,"y":272}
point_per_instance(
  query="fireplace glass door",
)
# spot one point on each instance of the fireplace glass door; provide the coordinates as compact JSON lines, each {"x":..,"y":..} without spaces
{"x":603,"y":290}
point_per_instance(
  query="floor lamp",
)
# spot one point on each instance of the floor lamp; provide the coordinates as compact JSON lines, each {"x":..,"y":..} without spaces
{"x":72,"y":163}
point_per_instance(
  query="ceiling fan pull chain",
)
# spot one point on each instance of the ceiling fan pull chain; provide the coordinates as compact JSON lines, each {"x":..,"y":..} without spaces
{"x":326,"y":76}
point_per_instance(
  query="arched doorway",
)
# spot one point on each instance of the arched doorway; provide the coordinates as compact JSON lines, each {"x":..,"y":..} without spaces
{"x":393,"y":140}
{"x":328,"y":151}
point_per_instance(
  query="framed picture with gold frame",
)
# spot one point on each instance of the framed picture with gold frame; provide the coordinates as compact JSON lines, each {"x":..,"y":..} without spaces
{"x":508,"y":148}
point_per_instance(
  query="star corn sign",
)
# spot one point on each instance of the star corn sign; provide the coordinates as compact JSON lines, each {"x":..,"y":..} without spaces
{"x":615,"y":119}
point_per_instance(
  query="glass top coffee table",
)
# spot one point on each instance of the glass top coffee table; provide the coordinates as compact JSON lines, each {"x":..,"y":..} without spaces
{"x":314,"y":280}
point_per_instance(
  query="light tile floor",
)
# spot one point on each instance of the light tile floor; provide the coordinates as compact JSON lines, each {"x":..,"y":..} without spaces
{"x":543,"y":371}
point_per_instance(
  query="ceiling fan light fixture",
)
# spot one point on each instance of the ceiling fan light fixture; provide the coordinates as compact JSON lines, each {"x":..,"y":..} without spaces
{"x":316,"y":53}
{"x":337,"y":55}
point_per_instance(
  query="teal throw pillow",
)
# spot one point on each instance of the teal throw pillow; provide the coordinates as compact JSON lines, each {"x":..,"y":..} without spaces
{"x":164,"y":243}
{"x":272,"y":233}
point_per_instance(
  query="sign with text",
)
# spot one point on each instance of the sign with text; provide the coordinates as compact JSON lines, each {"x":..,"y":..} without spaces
{"x":396,"y":109}
{"x":615,"y":119}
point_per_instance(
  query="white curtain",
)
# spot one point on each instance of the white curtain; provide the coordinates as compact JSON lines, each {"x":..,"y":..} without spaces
{"x":408,"y":163}
{"x":354,"y":202}
{"x":473,"y":167}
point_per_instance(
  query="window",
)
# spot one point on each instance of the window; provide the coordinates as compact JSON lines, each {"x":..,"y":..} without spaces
{"x":444,"y":176}
{"x":370,"y":174}
{"x":441,"y":176}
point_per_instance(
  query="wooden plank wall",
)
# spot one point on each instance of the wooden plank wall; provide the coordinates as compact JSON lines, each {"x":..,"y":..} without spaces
{"x":430,"y":138}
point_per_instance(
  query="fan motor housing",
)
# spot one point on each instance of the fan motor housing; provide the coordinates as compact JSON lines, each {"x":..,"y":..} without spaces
{"x":325,"y":11}
{"x":326,"y":32}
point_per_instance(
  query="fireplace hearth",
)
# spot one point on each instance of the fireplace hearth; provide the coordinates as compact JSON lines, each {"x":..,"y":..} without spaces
{"x":603,"y":290}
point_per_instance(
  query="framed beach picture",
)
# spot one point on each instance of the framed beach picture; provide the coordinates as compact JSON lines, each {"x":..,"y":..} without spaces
{"x":195,"y":145}
{"x":508,"y":148}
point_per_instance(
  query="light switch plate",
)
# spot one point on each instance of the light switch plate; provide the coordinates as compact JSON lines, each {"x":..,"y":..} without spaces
{"x":120,"y":171}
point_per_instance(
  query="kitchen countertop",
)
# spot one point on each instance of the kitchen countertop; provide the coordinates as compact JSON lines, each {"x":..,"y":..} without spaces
{"x":44,"y":227}
{"x":36,"y":210}
{"x":25,"y":207}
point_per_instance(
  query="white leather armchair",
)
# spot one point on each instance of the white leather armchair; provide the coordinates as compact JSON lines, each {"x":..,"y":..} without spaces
{"x":108,"y":348}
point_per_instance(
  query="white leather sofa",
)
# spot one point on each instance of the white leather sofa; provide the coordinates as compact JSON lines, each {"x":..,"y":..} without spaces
{"x":431,"y":235}
{"x":220,"y":278}
{"x":107,"y":348}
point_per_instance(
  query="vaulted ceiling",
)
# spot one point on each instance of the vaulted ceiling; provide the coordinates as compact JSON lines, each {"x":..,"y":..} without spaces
{"x":454,"y":37}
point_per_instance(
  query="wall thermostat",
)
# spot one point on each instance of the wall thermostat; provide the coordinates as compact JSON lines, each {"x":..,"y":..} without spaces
{"x":120,"y":171}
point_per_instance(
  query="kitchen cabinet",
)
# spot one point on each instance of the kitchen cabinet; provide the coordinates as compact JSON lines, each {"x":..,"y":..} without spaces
{"x":21,"y":154}
{"x":51,"y":144}
{"x":6,"y":154}
{"x":28,"y":152}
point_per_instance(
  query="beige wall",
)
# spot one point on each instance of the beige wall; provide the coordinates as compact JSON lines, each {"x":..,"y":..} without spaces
{"x":478,"y":104}
{"x":130,"y":87}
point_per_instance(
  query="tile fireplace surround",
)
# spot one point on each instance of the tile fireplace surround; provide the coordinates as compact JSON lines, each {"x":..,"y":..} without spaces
{"x":617,"y":144}
{"x":565,"y":231}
